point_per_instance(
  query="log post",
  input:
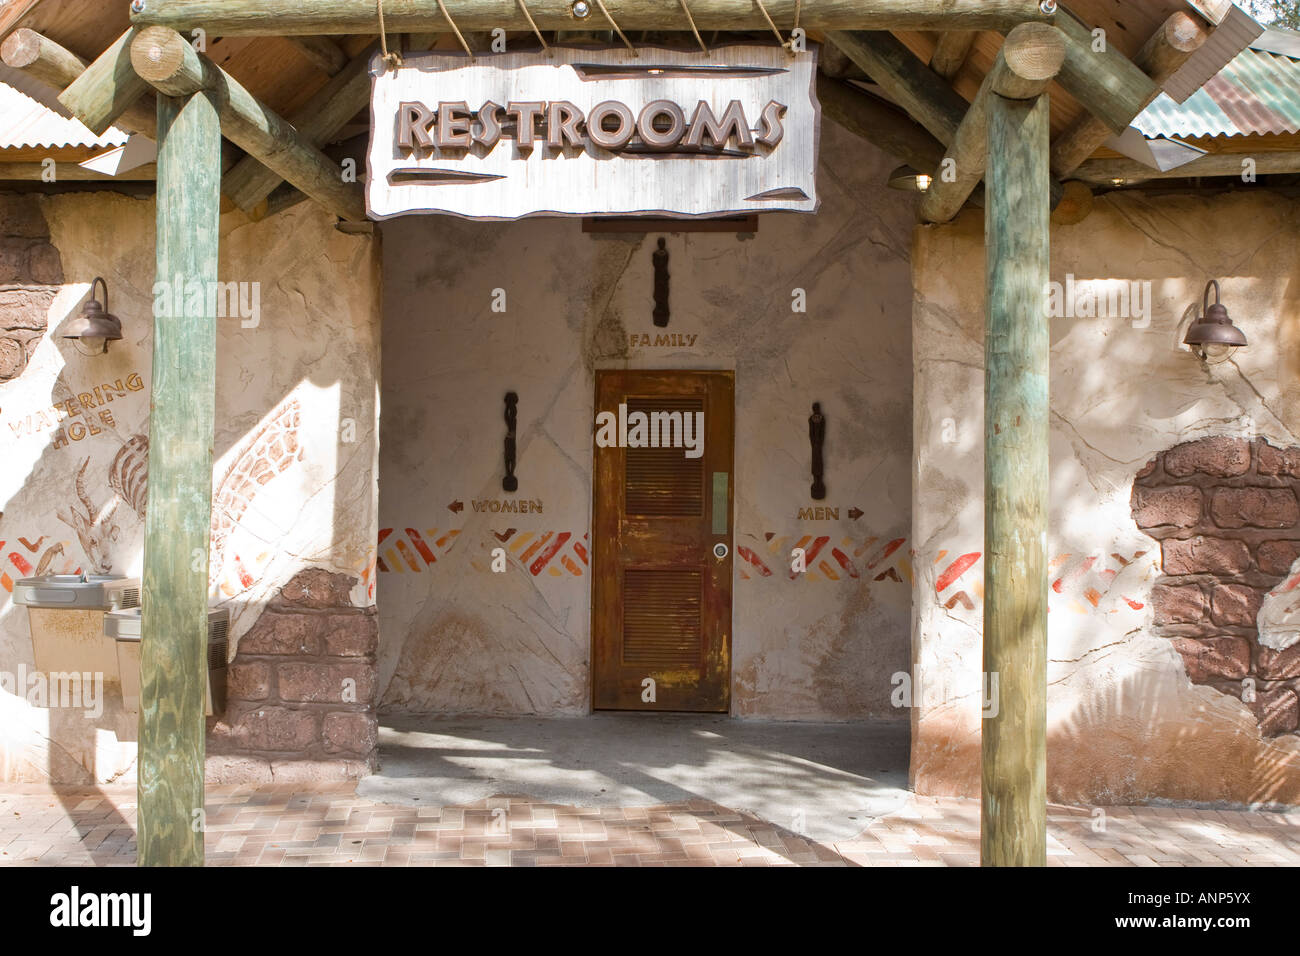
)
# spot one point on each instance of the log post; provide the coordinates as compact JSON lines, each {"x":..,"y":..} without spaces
{"x":1029,"y":60}
{"x":1013,"y":809}
{"x":296,"y":18}
{"x":107,"y":88}
{"x":178,"y":519}
{"x":165,"y":60}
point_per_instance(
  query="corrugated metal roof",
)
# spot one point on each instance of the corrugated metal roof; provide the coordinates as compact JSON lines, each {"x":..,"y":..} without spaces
{"x":1257,"y":94}
{"x":26,"y":123}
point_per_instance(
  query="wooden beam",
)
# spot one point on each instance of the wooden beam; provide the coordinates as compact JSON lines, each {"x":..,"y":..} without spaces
{"x":178,"y":519}
{"x":1160,"y":58}
{"x":71,"y":172}
{"x":1013,"y":806}
{"x":324,"y":53}
{"x":165,"y":59}
{"x":1029,"y":59}
{"x":951,"y":52}
{"x":13,"y":13}
{"x":878,"y":123}
{"x":1129,"y":171}
{"x":1216,"y":11}
{"x":54,"y":66}
{"x":905,"y":79}
{"x":107,"y":88}
{"x":293,"y":17}
{"x":42,"y":58}
{"x":1100,"y":77}
{"x":319,"y":120}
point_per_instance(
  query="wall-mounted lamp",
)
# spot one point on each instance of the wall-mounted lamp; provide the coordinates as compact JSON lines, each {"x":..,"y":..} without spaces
{"x":1212,"y":335}
{"x":96,"y":326}
{"x":909,"y":180}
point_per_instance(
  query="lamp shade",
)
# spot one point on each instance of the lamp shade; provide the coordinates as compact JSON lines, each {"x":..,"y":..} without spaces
{"x":1214,"y":327}
{"x":95,"y":323}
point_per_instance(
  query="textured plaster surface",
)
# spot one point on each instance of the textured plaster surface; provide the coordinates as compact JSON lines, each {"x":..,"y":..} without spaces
{"x":1125,"y":723}
{"x":456,"y":638}
{"x":286,"y":389}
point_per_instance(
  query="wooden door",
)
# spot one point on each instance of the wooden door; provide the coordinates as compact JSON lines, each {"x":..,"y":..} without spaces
{"x":662,"y":546}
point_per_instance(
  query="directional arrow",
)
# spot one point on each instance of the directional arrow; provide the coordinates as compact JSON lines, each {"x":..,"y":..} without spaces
{"x":456,"y":506}
{"x":855,"y":513}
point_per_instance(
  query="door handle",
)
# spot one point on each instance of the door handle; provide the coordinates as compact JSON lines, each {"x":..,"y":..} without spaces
{"x":720,"y":510}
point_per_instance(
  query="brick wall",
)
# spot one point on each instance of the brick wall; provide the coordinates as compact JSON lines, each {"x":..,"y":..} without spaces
{"x":31,"y":271}
{"x":1226,"y":514}
{"x":302,"y":685}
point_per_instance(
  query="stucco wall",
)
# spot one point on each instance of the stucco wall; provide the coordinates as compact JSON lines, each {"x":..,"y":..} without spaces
{"x":456,"y":638}
{"x":1126,"y":723}
{"x":294,"y":486}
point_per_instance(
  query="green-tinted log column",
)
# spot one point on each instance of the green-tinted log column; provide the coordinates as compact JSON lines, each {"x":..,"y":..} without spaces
{"x":173,"y":655}
{"x":1013,"y":818}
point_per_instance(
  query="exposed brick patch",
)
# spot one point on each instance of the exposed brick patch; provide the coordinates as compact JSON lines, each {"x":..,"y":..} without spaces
{"x":1176,"y":505}
{"x":1220,"y":457}
{"x":1214,"y":658}
{"x":1278,"y":711}
{"x":1276,"y":557}
{"x":1178,"y":605}
{"x":30,"y":273}
{"x":301,"y":687}
{"x":1226,"y":512}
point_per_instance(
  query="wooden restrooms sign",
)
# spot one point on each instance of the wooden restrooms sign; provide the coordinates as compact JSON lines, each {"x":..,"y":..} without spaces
{"x":591,"y":132}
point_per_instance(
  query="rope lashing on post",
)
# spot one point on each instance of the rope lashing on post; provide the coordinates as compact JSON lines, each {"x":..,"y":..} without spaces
{"x":698,"y":39}
{"x":391,"y":60}
{"x":456,"y":30}
{"x":533,"y":23}
{"x":621,"y":35}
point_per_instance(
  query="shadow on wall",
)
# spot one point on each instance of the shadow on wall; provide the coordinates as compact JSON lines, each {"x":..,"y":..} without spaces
{"x":77,"y":430}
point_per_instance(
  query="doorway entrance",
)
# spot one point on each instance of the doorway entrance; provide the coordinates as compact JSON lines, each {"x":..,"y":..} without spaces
{"x":662,"y":541}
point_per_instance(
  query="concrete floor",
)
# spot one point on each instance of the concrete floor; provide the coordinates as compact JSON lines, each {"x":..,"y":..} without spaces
{"x":824,"y":781}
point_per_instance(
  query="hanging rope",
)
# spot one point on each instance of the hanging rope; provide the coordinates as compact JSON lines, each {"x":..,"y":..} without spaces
{"x":621,"y":35}
{"x":456,"y":30}
{"x":392,"y":60}
{"x":698,"y":39}
{"x":788,"y":44}
{"x":533,"y":23}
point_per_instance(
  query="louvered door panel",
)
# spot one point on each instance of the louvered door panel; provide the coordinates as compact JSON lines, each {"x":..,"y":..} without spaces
{"x":661,"y":599}
{"x":662,"y":613}
{"x":663,"y":481}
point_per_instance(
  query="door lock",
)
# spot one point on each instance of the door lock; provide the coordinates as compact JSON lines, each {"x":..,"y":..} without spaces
{"x":720,"y":550}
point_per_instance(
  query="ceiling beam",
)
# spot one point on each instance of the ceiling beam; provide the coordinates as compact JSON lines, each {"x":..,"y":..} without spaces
{"x":878,"y":123}
{"x":905,"y":79}
{"x":107,"y":88}
{"x":54,"y":66}
{"x":1104,"y":81}
{"x":1164,"y":53}
{"x":317,"y":122}
{"x":324,"y":54}
{"x":1029,"y":59}
{"x":1130,"y":171}
{"x":294,"y":17}
{"x":72,"y":172}
{"x":165,"y":59}
{"x":951,"y":52}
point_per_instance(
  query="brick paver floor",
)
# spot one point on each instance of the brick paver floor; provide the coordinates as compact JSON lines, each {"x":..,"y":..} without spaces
{"x":289,"y":826}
